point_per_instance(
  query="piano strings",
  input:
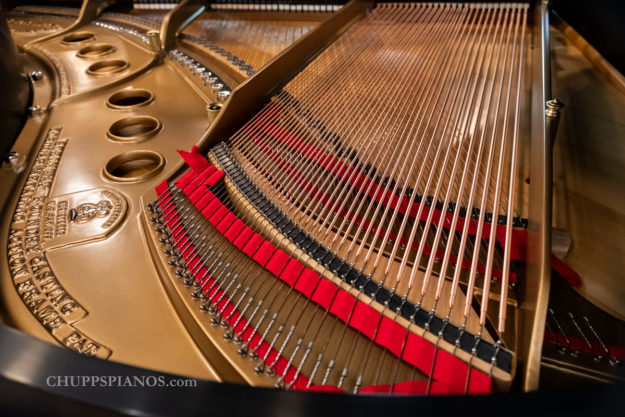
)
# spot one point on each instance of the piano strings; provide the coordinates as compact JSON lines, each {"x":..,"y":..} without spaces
{"x":386,"y":166}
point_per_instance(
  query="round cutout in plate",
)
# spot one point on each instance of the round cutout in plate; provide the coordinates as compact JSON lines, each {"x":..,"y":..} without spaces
{"x":78,"y":37}
{"x":130,"y":98}
{"x":134,"y":129}
{"x":107,"y":67}
{"x":95,"y":50}
{"x":134,"y":166}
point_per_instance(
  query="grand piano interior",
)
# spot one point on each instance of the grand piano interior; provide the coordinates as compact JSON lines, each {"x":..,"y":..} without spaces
{"x":365,"y":198}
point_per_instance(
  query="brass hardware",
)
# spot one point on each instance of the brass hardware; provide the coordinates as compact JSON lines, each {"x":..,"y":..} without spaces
{"x":213,"y":110}
{"x":131,"y":98}
{"x":134,"y":129}
{"x":553,"y":108}
{"x":96,"y":50}
{"x":552,"y":113}
{"x":134,"y":166}
{"x":155,"y":40}
{"x":108,"y":67}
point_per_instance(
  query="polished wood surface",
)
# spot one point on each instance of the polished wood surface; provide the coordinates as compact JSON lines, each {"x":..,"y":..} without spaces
{"x":589,"y":174}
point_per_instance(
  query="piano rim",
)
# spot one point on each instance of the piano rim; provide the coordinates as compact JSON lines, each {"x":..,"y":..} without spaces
{"x":27,"y":361}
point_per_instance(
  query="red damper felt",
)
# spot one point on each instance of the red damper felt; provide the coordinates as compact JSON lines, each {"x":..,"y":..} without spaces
{"x":194,"y":159}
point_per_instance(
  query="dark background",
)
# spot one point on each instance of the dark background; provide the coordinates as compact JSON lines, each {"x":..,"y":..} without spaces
{"x":601,"y":23}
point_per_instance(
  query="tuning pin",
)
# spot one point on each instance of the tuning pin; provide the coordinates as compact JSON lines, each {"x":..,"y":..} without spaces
{"x":228,"y":334}
{"x":243,"y":351}
{"x":260,"y":368}
{"x":154,"y":40}
{"x":216,"y":320}
{"x":222,"y":96}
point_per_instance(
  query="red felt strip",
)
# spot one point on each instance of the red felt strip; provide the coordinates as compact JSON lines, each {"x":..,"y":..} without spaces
{"x":277,"y":262}
{"x":324,"y":293}
{"x":194,"y":159}
{"x":318,"y":194}
{"x":205,"y":200}
{"x":343,"y":304}
{"x":617,"y":352}
{"x":194,"y":190}
{"x":185,"y":179}
{"x":291,"y":272}
{"x":252,"y":244}
{"x":244,"y":237}
{"x":218,"y":215}
{"x":307,"y":282}
{"x":211,"y":207}
{"x":363,"y":317}
{"x":565,"y":271}
{"x":325,"y":388}
{"x":226,"y":222}
{"x":418,"y":352}
{"x":234,"y":230}
{"x":215,"y":177}
{"x":161,"y":188}
{"x":392,"y":335}
{"x":264,"y":252}
{"x":366,"y":319}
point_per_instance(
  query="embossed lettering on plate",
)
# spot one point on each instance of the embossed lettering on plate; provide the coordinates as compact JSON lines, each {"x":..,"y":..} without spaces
{"x":79,"y":217}
{"x":42,"y":223}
